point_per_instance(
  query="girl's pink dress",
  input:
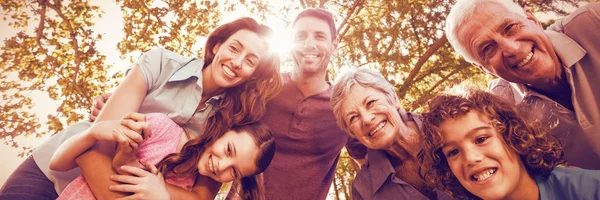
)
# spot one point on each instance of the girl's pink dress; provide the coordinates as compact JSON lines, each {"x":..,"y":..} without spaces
{"x":164,"y":140}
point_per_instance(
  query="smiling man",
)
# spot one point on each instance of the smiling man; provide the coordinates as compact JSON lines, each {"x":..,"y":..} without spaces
{"x":554,"y":72}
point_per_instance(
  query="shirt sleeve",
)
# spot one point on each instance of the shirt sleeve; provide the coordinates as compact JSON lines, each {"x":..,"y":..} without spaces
{"x":502,"y":88}
{"x":356,"y":149}
{"x":151,"y":64}
{"x":588,"y":15}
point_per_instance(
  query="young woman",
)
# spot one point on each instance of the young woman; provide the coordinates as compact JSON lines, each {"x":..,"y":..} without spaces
{"x":236,"y":154}
{"x":239,"y":73}
{"x":479,"y":147}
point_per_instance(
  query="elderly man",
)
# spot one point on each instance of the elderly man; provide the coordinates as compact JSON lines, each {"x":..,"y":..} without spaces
{"x":554,"y":72}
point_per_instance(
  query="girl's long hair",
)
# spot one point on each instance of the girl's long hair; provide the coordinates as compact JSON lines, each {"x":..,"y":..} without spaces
{"x":185,"y":163}
{"x":539,"y":151}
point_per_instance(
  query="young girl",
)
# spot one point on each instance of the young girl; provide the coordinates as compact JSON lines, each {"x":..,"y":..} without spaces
{"x":222,"y":155}
{"x":480,"y":147}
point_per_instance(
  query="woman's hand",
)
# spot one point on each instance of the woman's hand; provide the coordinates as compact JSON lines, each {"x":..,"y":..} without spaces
{"x":143,"y":184}
{"x":129,"y":140}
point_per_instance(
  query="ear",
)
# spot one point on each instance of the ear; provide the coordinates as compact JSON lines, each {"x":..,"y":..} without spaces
{"x":216,"y":48}
{"x":335,"y":44}
{"x":532,"y":17}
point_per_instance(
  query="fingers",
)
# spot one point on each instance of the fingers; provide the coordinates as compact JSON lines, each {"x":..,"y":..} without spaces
{"x":125,"y":140}
{"x":133,"y":170}
{"x":151,"y":168}
{"x":138,"y":117}
{"x":98,"y":104}
{"x":123,"y":188}
{"x":143,"y":128}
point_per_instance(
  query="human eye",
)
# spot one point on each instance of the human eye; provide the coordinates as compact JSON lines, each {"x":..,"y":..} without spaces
{"x":451,"y":153}
{"x":511,"y":28}
{"x":251,"y":62}
{"x":300,"y":36}
{"x":236,"y":175}
{"x":488,"y":50}
{"x":351,"y":119}
{"x":234,"y":48}
{"x":481,"y":139}
{"x":228,"y":153}
{"x":371,"y":102}
{"x":321,"y":36}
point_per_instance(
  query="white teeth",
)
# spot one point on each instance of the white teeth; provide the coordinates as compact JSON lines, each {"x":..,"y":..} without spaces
{"x":228,"y":72}
{"x":211,"y":167}
{"x":484,"y":174}
{"x":379,"y":127}
{"x":526,"y":60}
{"x":309,"y":56}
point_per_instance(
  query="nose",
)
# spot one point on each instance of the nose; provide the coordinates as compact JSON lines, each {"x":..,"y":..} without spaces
{"x":223,"y":165}
{"x":509,"y":47}
{"x":309,"y":43}
{"x":237,"y":61}
{"x":472,"y":156}
{"x":368,"y":118}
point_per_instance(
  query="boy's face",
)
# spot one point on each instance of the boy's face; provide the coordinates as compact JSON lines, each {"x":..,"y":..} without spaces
{"x":480,"y":158}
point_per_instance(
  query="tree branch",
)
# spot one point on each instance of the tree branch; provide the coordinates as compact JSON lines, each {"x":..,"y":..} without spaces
{"x":72,"y":34}
{"x":413,"y":73}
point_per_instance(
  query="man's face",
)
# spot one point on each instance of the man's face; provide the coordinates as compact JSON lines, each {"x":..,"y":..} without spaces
{"x":312,"y":46}
{"x":509,"y":45}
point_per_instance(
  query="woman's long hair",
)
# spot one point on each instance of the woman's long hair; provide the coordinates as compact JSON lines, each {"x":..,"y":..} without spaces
{"x":247,"y":101}
{"x":539,"y":151}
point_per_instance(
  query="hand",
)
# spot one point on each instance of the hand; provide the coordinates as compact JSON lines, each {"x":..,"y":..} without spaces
{"x":143,"y":184}
{"x":99,"y":102}
{"x":129,"y":140}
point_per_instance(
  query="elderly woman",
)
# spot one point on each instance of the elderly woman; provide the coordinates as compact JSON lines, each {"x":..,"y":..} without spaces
{"x":366,"y":107}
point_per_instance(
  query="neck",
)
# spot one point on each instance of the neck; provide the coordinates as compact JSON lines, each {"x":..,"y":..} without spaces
{"x":527,"y":189}
{"x":209,"y":87}
{"x":556,"y":90}
{"x":310,"y":84}
{"x":406,"y":147}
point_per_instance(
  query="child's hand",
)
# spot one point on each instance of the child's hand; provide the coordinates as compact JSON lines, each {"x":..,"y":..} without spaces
{"x":143,"y":184}
{"x":137,"y":122}
{"x":125,"y":152}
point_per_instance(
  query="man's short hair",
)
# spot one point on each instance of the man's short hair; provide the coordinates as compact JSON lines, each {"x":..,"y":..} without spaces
{"x":321,"y":14}
{"x":463,"y":11}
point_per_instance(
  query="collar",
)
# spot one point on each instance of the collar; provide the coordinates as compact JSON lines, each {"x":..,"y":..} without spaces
{"x":192,"y":68}
{"x":567,"y":50}
{"x":379,"y":164}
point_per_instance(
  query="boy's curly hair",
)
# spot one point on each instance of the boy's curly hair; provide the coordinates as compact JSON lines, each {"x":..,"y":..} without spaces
{"x":539,"y":151}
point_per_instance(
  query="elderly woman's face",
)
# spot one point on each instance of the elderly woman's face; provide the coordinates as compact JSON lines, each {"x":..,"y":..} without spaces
{"x":370,"y":117}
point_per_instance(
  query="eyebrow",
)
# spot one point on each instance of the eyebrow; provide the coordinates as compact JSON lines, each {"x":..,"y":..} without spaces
{"x":364,"y":101}
{"x":241,"y":44}
{"x":468,"y":135}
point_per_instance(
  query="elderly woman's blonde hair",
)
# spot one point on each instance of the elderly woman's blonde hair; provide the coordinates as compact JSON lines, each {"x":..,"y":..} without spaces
{"x":364,"y":77}
{"x":463,"y":11}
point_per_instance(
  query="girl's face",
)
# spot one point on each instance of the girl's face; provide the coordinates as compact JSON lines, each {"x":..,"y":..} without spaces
{"x":236,"y":59}
{"x":230,"y":157}
{"x":480,"y":158}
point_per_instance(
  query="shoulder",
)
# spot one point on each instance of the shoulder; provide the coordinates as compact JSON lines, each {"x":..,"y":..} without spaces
{"x":578,"y":19}
{"x":574,"y":183}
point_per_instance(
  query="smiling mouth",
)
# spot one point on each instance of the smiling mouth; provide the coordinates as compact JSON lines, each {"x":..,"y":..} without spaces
{"x":483,"y":175}
{"x":211,"y":166}
{"x":229,"y":72}
{"x":526,"y":60}
{"x":379,"y":127}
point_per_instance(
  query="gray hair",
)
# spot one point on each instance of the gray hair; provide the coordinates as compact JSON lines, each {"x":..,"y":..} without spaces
{"x":463,"y":11}
{"x":362,"y":76}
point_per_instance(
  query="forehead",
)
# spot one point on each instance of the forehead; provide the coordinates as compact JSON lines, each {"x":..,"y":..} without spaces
{"x":456,"y":128}
{"x":311,"y":25}
{"x":250,"y":40}
{"x":484,"y":22}
{"x":356,"y":94}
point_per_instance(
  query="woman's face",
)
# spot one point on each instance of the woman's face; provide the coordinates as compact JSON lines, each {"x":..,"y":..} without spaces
{"x":370,"y":117}
{"x":480,"y":158}
{"x":230,"y":157}
{"x":237,"y":58}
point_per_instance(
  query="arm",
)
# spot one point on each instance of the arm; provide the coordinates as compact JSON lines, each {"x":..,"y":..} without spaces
{"x":64,"y":157}
{"x":357,"y":151}
{"x":96,"y":163}
{"x":205,"y":188}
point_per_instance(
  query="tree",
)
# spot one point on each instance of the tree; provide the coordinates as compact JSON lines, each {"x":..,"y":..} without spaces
{"x":59,"y":57}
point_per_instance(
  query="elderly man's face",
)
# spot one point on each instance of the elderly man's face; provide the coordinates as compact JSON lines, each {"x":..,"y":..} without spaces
{"x":370,"y":117}
{"x":509,"y":45}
